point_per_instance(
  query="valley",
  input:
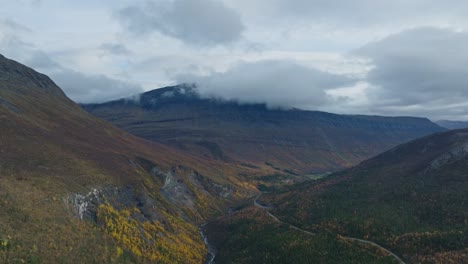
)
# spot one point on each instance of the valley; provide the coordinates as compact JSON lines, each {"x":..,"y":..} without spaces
{"x":407,"y":203}
{"x":233,"y":132}
{"x":221,"y":182}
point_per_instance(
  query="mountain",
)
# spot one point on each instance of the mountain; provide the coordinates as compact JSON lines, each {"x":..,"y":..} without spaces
{"x":411,"y":200}
{"x":288,"y":141}
{"x":452,"y":124}
{"x":76,"y":189}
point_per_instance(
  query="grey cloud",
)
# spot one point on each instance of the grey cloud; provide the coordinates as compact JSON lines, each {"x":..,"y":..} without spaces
{"x":115,"y":49}
{"x":197,"y":22}
{"x":13,"y":46}
{"x":283,"y":84}
{"x":40,"y":60}
{"x":14,"y":26}
{"x":421,"y":71}
{"x":11,"y":40}
{"x":78,"y":86}
{"x":365,"y":12}
{"x":84,"y":88}
{"x":32,"y":2}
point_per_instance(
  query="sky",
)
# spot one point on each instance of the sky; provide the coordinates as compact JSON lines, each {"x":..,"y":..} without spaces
{"x":378,"y":57}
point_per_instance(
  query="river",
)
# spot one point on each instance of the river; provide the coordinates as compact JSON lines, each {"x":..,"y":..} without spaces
{"x":211,"y":251}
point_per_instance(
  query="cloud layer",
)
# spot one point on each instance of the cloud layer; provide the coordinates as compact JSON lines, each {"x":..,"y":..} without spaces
{"x":80,"y":87}
{"x":359,"y":57}
{"x":283,"y":84}
{"x":93,"y":88}
{"x":195,"y":22}
{"x":365,"y":12}
{"x":419,"y":71}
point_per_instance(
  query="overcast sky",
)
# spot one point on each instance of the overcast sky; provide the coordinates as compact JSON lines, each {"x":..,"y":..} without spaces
{"x":385,"y":57}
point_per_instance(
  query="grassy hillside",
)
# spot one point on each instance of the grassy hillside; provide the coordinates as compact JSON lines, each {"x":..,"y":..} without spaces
{"x":287,"y":141}
{"x":412,"y":200}
{"x":75,"y":189}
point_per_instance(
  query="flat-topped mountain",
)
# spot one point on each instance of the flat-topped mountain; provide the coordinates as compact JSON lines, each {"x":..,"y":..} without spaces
{"x":292,"y":141}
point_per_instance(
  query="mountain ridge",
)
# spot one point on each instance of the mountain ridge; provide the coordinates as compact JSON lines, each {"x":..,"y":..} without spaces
{"x":450,"y":124}
{"x":411,"y":199}
{"x":295,"y":140}
{"x":11,"y":71}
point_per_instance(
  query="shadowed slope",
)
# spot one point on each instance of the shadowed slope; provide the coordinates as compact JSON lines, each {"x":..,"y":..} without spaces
{"x":289,"y":141}
{"x":411,"y":199}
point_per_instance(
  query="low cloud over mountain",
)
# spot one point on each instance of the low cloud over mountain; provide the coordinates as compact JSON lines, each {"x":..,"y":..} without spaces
{"x":368,"y":57}
{"x":277,"y":83}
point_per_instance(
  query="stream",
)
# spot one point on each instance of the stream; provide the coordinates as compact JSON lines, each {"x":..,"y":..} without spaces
{"x":209,"y":259}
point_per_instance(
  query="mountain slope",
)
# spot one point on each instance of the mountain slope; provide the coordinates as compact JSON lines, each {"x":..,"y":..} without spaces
{"x":75,"y":189}
{"x":452,"y":124}
{"x":412,"y":200}
{"x":252,"y":236}
{"x":292,"y":141}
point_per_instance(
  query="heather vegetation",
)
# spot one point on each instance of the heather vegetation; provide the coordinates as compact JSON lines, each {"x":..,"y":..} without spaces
{"x":411,"y":200}
{"x":251,"y":236}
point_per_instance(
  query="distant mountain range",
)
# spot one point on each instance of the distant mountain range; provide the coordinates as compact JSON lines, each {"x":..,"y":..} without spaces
{"x":289,"y":141}
{"x":452,"y":124}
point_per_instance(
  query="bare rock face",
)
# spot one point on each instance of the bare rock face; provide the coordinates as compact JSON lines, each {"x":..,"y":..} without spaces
{"x":209,"y":186}
{"x":455,"y":154}
{"x":450,"y":149}
{"x":180,"y":182}
{"x":84,"y":205}
{"x":180,"y":186}
{"x":176,"y":191}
